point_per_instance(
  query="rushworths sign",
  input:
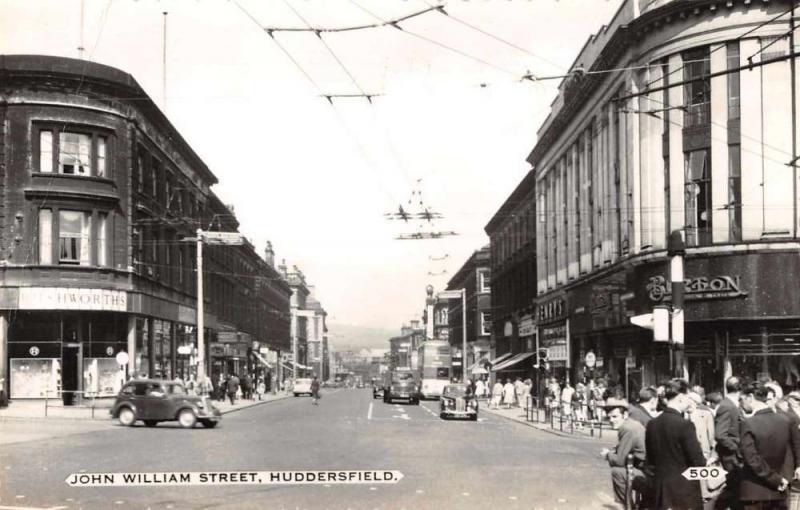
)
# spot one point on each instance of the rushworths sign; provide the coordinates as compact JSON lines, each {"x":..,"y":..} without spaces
{"x":67,"y":298}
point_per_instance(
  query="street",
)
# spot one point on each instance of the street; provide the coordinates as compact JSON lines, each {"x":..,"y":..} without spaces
{"x":492,"y":463}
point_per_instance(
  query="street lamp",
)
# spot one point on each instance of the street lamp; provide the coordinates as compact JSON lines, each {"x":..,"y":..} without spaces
{"x":454,"y":294}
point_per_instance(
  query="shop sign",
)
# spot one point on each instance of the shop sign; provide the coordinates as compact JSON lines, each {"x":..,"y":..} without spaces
{"x":701,"y":287}
{"x":551,"y":310}
{"x":526,"y":327}
{"x":34,"y":351}
{"x":66,"y":298}
{"x":554,"y":339}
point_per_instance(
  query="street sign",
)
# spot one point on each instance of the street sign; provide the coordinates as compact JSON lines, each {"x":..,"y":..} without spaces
{"x":704,"y":473}
{"x":223,"y":237}
{"x":184,"y":349}
{"x":643,"y":321}
{"x":630,"y":362}
{"x":449,"y":294}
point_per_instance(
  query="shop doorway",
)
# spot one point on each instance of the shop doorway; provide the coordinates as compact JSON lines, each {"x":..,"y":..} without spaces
{"x":71,"y":357}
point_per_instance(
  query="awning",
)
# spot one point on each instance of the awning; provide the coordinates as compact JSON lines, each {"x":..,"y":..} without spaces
{"x":478,"y":363}
{"x":262,"y":360}
{"x":513,"y":361}
{"x":301,"y":367}
{"x":499,"y":359}
{"x":287,"y":367}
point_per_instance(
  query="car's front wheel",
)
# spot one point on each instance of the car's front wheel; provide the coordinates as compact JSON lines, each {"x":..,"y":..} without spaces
{"x":442,"y":416}
{"x":127,"y":417}
{"x":296,"y":394}
{"x":209,"y":424}
{"x":187,"y":419}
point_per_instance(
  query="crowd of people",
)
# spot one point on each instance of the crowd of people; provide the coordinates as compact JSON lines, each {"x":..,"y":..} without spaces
{"x":752,"y":432}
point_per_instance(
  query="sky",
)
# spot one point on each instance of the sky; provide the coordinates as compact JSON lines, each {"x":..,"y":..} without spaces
{"x":451,"y":122}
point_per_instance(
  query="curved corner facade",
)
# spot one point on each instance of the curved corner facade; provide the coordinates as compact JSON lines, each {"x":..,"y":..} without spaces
{"x":99,"y":196}
{"x":677,"y":116}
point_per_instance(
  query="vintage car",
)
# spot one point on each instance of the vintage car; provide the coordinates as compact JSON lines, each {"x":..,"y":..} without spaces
{"x":458,"y":401}
{"x":377,"y":389}
{"x":155,"y":400}
{"x":302,"y":387}
{"x":401,"y":385}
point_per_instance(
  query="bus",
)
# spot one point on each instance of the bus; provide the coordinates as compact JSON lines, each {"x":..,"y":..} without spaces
{"x":434,"y":367}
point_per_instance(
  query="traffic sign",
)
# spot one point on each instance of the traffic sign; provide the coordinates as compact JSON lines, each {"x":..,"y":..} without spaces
{"x":122,"y":358}
{"x":223,"y":237}
{"x":704,"y":473}
{"x":643,"y":321}
{"x":590,"y":359}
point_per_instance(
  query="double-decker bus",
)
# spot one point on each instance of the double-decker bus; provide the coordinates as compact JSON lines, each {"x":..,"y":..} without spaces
{"x":434,"y":367}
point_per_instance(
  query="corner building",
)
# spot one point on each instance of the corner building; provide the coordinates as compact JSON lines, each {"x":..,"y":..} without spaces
{"x":677,"y":115}
{"x":98,"y":193}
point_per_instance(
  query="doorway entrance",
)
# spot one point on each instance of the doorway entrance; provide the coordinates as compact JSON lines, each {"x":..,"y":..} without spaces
{"x":71,"y":360}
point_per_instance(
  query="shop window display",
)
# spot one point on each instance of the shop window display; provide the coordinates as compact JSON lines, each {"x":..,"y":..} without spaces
{"x":102,"y":377}
{"x":33,"y":378}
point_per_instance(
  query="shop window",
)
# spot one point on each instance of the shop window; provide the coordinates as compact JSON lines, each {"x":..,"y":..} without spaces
{"x":73,"y":152}
{"x":698,"y":198}
{"x":74,"y":233}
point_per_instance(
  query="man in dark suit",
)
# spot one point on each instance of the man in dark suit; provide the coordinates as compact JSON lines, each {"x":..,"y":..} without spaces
{"x":672,"y":447}
{"x":770,"y":445}
{"x":727,"y":424}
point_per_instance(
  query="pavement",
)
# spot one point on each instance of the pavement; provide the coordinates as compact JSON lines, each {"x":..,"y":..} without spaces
{"x":602,"y":435}
{"x":35,"y":420}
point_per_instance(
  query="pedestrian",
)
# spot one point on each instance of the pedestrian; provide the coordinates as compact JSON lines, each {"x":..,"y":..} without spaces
{"x":518,"y":392}
{"x":727,"y":425}
{"x":315,"y":390}
{"x":479,"y":388}
{"x":713,"y":400}
{"x":247,"y":387}
{"x":644,"y":410}
{"x":509,"y":396}
{"x":630,"y":440}
{"x":672,"y":447}
{"x":261,"y":389}
{"x":703,"y":420}
{"x":566,"y":400}
{"x":232,"y":387}
{"x":526,"y":393}
{"x":497,"y":394}
{"x":223,"y":387}
{"x":580,"y":404}
{"x":770,"y":448}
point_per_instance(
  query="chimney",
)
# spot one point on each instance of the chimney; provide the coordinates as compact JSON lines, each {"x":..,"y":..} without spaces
{"x":282,"y":268}
{"x":269,"y":255}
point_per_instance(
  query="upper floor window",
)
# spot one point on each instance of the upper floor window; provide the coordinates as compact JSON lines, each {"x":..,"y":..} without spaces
{"x":73,"y":152}
{"x":484,"y":281}
{"x":698,"y":197}
{"x":76,"y":241}
{"x":697,"y":91}
{"x":486,"y":323}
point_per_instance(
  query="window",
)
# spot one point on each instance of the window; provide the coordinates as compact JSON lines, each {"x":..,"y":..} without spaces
{"x":697,"y":93}
{"x":486,"y":323}
{"x":74,"y":230}
{"x":484,"y":281}
{"x":45,"y":236}
{"x":698,"y":198}
{"x":77,"y":243}
{"x":735,"y":192}
{"x":734,"y":84}
{"x":73,"y":152}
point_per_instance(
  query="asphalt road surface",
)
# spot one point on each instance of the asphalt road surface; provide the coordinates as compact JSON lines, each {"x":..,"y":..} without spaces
{"x":491,"y":463}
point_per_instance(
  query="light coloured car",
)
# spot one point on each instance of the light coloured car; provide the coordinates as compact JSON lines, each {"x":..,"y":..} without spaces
{"x":302,"y":387}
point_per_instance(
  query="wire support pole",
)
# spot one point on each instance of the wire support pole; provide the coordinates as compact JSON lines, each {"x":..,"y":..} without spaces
{"x":793,"y":70}
{"x":201,"y":344}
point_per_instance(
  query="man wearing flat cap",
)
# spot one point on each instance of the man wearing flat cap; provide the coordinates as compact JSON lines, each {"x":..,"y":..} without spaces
{"x":630,"y":434}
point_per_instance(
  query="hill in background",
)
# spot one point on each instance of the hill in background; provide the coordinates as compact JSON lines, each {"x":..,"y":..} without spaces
{"x":348,"y":337}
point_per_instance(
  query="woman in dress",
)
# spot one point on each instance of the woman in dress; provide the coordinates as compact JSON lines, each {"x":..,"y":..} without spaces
{"x":509,"y":395}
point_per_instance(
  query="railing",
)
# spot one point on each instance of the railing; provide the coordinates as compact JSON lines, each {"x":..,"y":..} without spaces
{"x":553,"y":414}
{"x":83,"y":395}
